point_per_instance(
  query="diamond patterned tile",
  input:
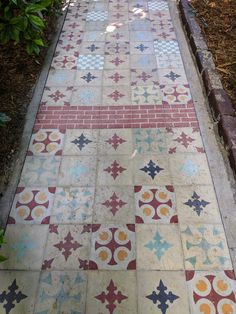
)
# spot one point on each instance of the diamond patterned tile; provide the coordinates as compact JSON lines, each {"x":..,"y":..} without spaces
{"x":158,"y":6}
{"x":90,"y":62}
{"x":163,"y":47}
{"x":97,"y":16}
{"x":113,"y":247}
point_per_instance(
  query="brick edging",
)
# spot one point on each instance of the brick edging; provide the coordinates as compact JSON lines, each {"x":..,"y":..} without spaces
{"x":218,"y":99}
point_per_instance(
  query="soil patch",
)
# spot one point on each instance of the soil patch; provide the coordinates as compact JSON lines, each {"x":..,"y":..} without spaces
{"x":217,"y":19}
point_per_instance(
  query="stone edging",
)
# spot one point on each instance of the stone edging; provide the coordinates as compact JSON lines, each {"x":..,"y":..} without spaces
{"x":219,"y":102}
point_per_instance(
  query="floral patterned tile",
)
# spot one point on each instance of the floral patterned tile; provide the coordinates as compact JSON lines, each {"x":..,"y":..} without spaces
{"x":71,"y":35}
{"x":16,"y":294}
{"x":113,"y":247}
{"x":88,"y":78}
{"x":146,"y":95}
{"x":115,"y":293}
{"x":114,"y":204}
{"x":116,"y":77}
{"x":159,"y":247}
{"x":176,"y":94}
{"x":63,"y":291}
{"x":67,"y":247}
{"x":57,"y":96}
{"x":151,"y":170}
{"x":172,"y":76}
{"x":73,"y":205}
{"x":32,"y":206}
{"x":197,"y":204}
{"x":116,"y":47}
{"x":64,"y":62}
{"x":189,"y":169}
{"x":46,"y":142}
{"x":92,"y":48}
{"x":140,"y":47}
{"x":116,"y":95}
{"x":80,"y":142}
{"x":40,"y":171}
{"x":169,"y":61}
{"x":117,"y":62}
{"x":205,"y":247}
{"x":25,"y":246}
{"x":211,"y":291}
{"x":162,"y":292}
{"x":144,"y":78}
{"x":148,"y":141}
{"x":166,"y":33}
{"x":155,"y":204}
{"x":118,"y":17}
{"x":117,"y":35}
{"x":77,"y":171}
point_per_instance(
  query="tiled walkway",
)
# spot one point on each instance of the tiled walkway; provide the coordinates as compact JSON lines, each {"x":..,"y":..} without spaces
{"x":115,"y":210}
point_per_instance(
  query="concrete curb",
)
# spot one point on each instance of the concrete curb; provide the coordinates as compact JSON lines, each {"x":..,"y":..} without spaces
{"x":7,"y":199}
{"x":220,"y":104}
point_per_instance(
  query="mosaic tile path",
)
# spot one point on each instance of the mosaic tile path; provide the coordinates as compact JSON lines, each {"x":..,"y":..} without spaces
{"x":115,"y":211}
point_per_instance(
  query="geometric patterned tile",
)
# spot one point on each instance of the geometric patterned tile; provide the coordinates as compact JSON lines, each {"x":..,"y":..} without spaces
{"x":115,"y":141}
{"x":205,"y":247}
{"x":118,"y":36}
{"x":113,"y":247}
{"x":67,"y":247}
{"x":146,"y":95}
{"x":114,"y":77}
{"x":117,"y":62}
{"x":140,"y":47}
{"x":176,"y":94}
{"x":144,"y":78}
{"x":40,"y":171}
{"x":159,"y":247}
{"x":116,"y":95}
{"x":57,"y":96}
{"x":97,"y":16}
{"x":64,"y":62}
{"x":184,"y":140}
{"x":113,"y":48}
{"x":25,"y":246}
{"x":162,"y":292}
{"x":197,"y":204}
{"x":158,"y":6}
{"x":162,"y":47}
{"x":172,"y":76}
{"x":46,"y":142}
{"x":77,"y":171}
{"x":155,"y":205}
{"x":212,"y":292}
{"x":73,"y":205}
{"x":90,"y":62}
{"x":16,"y":294}
{"x":114,"y":292}
{"x":169,"y":61}
{"x":92,"y":48}
{"x":32,"y":206}
{"x":88,"y":78}
{"x":64,"y":292}
{"x":80,"y":142}
{"x":189,"y":169}
{"x":148,"y":141}
{"x":114,"y":204}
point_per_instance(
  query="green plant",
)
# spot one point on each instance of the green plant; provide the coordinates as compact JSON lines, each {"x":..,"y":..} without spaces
{"x":4,"y":118}
{"x":23,"y":22}
{"x":2,"y":241}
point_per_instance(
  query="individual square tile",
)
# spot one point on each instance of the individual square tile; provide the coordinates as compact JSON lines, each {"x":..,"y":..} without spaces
{"x":94,"y":36}
{"x":122,"y":7}
{"x":137,"y":14}
{"x":97,"y":16}
{"x":148,"y":141}
{"x":86,"y":96}
{"x":46,"y":142}
{"x":88,"y":78}
{"x":116,"y":292}
{"x":169,"y":61}
{"x":80,"y":142}
{"x":65,"y":46}
{"x":113,"y":48}
{"x":166,"y":33}
{"x":116,"y":16}
{"x":144,"y":61}
{"x":63,"y":291}
{"x":92,"y":48}
{"x":116,"y":77}
{"x":155,"y":204}
{"x":159,"y":247}
{"x":172,"y":76}
{"x":77,"y":171}
{"x":95,"y":26}
{"x":211,"y":291}
{"x":115,"y":141}
{"x":90,"y":62}
{"x":40,"y":171}
{"x":32,"y":206}
{"x":73,"y":205}
{"x":144,"y":78}
{"x":118,"y":35}
{"x":160,"y":15}
{"x":114,"y":170}
{"x":166,"y":47}
{"x":137,"y":5}
{"x":189,"y":169}
{"x":197,"y":204}
{"x":176,"y":94}
{"x":114,"y":205}
{"x":100,"y":7}
{"x":162,"y":292}
{"x":57,"y":96}
{"x":184,"y":140}
{"x":205,"y":247}
{"x":16,"y":294}
{"x":149,"y":94}
{"x":25,"y":246}
{"x":113,"y":247}
{"x":67,"y":247}
{"x":75,"y":24}
{"x":64,"y":62}
{"x":140,"y":47}
{"x":61,"y":78}
{"x":140,"y":25}
{"x":151,"y":169}
{"x":158,"y":6}
{"x":71,"y":35}
{"x":121,"y":62}
{"x":142,"y":36}
{"x":116,"y":95}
